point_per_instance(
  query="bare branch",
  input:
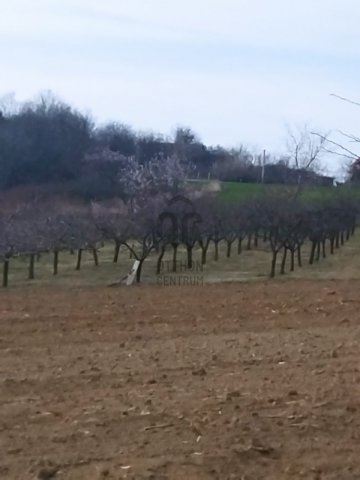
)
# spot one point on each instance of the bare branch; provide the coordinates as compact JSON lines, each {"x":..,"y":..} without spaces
{"x":333,"y":152}
{"x":345,"y":99}
{"x":350,"y":136}
{"x":354,"y":155}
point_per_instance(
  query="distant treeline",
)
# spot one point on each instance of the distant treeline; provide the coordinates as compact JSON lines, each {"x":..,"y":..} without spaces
{"x":49,"y":142}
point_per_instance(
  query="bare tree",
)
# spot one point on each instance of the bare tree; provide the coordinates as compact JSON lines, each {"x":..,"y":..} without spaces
{"x":304,"y":150}
{"x":144,"y":231}
{"x":113,"y":220}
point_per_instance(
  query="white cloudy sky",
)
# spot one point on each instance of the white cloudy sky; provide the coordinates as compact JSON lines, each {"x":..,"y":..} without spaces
{"x":237,"y":71}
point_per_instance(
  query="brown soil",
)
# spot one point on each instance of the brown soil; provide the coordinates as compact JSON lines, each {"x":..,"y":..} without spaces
{"x":230,"y":381}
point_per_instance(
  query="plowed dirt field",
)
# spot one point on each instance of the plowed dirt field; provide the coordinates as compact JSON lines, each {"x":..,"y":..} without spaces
{"x":225,"y":381}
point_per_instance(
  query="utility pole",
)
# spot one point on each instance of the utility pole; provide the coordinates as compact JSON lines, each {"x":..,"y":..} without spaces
{"x":263,"y":167}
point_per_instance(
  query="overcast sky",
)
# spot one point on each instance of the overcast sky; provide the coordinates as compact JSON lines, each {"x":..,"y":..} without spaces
{"x":236,"y":71}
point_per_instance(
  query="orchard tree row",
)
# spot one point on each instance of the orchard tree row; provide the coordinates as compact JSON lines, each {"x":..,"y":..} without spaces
{"x":156,"y":224}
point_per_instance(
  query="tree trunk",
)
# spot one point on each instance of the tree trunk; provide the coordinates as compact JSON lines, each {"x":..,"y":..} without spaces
{"x":299,"y":179}
{"x":56,"y":262}
{"x":216,"y":256}
{"x":342,"y":241}
{"x":318,"y":251}
{"x":96,"y":257}
{"x":78,"y":261}
{"x":283,"y":262}
{"x":174,"y":263}
{"x":292,"y":260}
{"x":324,"y":248}
{"x":138,"y":273}
{"x":248,"y":246}
{"x":239,"y":249}
{"x":32,"y":267}
{"x":273,"y":264}
{"x":6,"y":265}
{"x":116,"y":252}
{"x":189,"y":250}
{"x":204,"y":249}
{"x":159,"y":261}
{"x":332,"y":243}
{"x":299,"y":257}
{"x":337,"y":243}
{"x":256,"y":239}
{"x":312,"y":253}
{"x":228,"y":249}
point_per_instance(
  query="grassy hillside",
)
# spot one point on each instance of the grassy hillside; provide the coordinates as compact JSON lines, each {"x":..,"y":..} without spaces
{"x":237,"y":191}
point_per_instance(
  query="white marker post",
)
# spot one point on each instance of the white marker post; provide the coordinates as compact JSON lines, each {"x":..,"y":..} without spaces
{"x":132,"y":274}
